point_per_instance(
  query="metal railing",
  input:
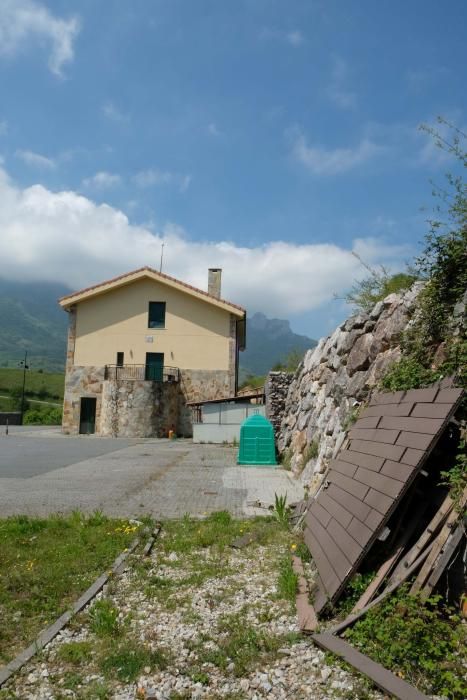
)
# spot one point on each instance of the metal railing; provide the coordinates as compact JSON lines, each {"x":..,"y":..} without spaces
{"x":142,"y":373}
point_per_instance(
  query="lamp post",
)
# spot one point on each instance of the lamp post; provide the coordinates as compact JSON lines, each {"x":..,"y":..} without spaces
{"x":25,"y":366}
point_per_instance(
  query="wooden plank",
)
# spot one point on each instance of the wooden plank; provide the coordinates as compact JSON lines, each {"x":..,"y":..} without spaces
{"x":431,"y":410}
{"x":384,"y":679}
{"x":353,"y":505}
{"x":418,"y":440}
{"x":381,"y":574}
{"x":396,"y":409}
{"x":353,"y":617}
{"x":425,"y":537}
{"x":307,"y":620}
{"x":375,"y":434}
{"x":444,"y":559}
{"x":438,"y":545}
{"x":378,"y":449}
{"x":361,"y":460}
{"x":430,"y":426}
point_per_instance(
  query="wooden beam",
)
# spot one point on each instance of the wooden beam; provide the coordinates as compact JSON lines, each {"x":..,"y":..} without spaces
{"x":381,"y":574}
{"x":438,"y":545}
{"x":307,"y":620}
{"x":353,"y":617}
{"x":435,"y":523}
{"x":444,"y":559}
{"x":383,"y":678}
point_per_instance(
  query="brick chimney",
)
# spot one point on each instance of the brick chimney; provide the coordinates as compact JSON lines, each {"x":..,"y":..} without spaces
{"x":214,"y":282}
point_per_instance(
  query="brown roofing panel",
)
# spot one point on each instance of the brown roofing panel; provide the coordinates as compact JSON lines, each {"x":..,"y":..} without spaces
{"x":386,"y":449}
{"x":377,"y":449}
{"x":394,"y":397}
{"x":420,"y":441}
{"x":414,"y":425}
{"x":375,"y":435}
{"x":359,"y":459}
{"x":391,"y":409}
{"x":419,"y":395}
{"x":385,"y":484}
{"x":349,"y":502}
{"x":431,"y":410}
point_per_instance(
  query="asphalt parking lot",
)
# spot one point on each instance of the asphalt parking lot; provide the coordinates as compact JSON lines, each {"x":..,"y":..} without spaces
{"x":43,"y":472}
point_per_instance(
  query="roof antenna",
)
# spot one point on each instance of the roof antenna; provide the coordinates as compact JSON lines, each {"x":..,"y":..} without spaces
{"x":162,"y":256}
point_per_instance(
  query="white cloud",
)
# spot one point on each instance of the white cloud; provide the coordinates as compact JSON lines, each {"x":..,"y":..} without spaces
{"x":102,"y":180}
{"x":338,"y":90}
{"x":65,"y":237}
{"x":213,"y":130}
{"x":334,"y":161}
{"x":153,"y":177}
{"x":23,"y":22}
{"x":112,"y":112}
{"x":294,"y":37}
{"x":36,"y":160}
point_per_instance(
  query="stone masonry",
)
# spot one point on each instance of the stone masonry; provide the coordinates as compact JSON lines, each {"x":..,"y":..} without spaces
{"x":276,"y":389}
{"x":335,"y":377}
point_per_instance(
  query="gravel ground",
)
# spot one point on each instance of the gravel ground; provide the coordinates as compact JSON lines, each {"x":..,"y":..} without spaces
{"x":205,"y":610}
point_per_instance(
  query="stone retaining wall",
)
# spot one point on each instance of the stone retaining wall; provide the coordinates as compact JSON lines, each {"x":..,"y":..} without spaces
{"x":335,"y":377}
{"x":276,"y":389}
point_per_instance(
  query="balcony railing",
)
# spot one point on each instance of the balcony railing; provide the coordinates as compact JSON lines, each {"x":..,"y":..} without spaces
{"x":153,"y":373}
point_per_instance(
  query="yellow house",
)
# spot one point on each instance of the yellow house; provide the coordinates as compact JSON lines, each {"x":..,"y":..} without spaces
{"x":142,"y":345}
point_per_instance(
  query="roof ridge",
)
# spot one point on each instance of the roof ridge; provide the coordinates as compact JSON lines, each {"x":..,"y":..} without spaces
{"x":158,"y":274}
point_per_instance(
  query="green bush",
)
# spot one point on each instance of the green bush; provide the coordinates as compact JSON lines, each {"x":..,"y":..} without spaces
{"x":45,"y":415}
{"x":417,"y":641}
{"x":407,"y":373}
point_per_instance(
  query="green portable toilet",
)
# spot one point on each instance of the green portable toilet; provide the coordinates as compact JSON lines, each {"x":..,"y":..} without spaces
{"x":257,"y":442}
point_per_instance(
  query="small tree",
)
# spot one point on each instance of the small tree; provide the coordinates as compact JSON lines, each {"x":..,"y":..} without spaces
{"x":377,"y":285}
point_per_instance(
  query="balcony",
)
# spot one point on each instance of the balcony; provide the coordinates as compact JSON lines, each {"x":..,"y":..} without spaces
{"x":152,"y":373}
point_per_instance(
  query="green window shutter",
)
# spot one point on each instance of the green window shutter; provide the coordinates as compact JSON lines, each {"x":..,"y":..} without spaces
{"x":156,"y":316}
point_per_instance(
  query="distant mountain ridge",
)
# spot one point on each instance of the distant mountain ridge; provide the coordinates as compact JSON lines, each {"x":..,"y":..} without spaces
{"x":268,"y":341}
{"x":32,"y":320}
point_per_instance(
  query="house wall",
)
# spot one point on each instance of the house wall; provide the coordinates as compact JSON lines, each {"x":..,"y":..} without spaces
{"x":197,"y":335}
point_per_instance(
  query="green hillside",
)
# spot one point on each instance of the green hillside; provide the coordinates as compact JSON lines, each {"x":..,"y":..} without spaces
{"x":30,"y":319}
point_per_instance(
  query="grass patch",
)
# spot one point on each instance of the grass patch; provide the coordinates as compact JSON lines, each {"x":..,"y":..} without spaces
{"x":287,"y":580}
{"x":76,"y":653}
{"x":127,"y":660}
{"x":41,"y":385}
{"x":45,"y":564}
{"x":418,"y":640}
{"x":103,"y":618}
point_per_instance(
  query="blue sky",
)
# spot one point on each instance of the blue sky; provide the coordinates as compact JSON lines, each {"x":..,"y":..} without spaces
{"x":271,"y":138}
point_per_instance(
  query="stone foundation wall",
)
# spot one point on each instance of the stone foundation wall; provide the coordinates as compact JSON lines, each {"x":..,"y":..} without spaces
{"x":139,"y":409}
{"x":81,"y":381}
{"x":200,"y":385}
{"x":276,"y":389}
{"x":335,"y":377}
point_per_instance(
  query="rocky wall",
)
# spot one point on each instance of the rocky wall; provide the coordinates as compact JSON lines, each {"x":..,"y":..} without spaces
{"x":200,"y":385}
{"x":276,"y":389}
{"x":139,"y":408}
{"x":334,"y":378}
{"x":81,"y":381}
